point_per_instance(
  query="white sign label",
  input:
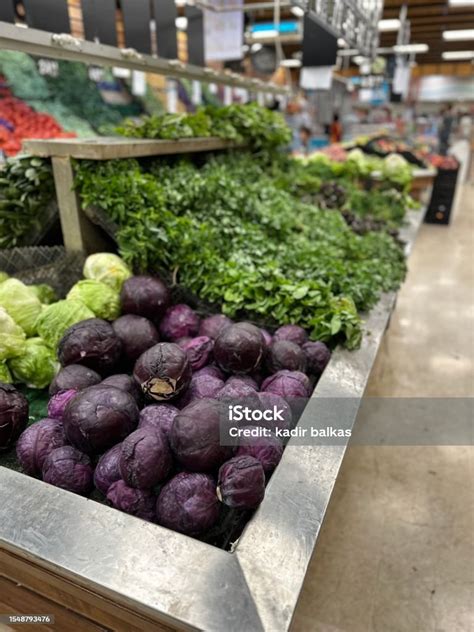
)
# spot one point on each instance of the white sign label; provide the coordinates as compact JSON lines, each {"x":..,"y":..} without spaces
{"x":223,"y":32}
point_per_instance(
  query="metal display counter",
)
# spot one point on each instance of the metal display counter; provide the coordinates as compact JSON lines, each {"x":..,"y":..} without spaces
{"x":126,"y":573}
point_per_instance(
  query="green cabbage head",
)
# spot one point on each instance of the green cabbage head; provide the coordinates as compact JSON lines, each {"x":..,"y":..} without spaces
{"x":98,"y":297}
{"x":108,"y":268}
{"x":12,"y":337}
{"x":21,"y":302}
{"x":5,"y":375}
{"x":37,"y":366}
{"x":56,"y":318}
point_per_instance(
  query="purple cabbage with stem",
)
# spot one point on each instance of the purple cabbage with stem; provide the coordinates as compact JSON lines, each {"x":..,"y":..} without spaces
{"x":241,"y":482}
{"x":163,"y":371}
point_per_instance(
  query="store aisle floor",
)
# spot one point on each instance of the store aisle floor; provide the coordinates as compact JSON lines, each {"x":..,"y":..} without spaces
{"x":396,"y":549}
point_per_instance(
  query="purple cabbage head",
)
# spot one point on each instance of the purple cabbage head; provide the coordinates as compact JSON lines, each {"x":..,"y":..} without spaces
{"x":126,"y":383}
{"x":99,"y":417}
{"x":292,"y":333}
{"x":136,"y":502}
{"x":272,"y":402}
{"x":240,"y":348}
{"x":136,"y":333}
{"x":268,"y":450}
{"x":163,"y":372}
{"x":198,"y":350}
{"x":195,"y":437}
{"x":201,"y":386}
{"x":74,"y":376}
{"x":159,"y":417}
{"x":268,"y":338}
{"x":69,"y":469}
{"x":284,"y":354}
{"x":107,"y":470}
{"x":241,"y":482}
{"x":145,"y":296}
{"x":178,"y":322}
{"x":317,"y":356}
{"x":237,"y":380}
{"x":36,"y":442}
{"x":146,"y":458}
{"x":91,"y":342}
{"x":238,"y":392}
{"x":58,"y":403}
{"x":213,"y":325}
{"x":288,"y":384}
{"x":212,"y":370}
{"x":13,"y":415}
{"x":188,"y":503}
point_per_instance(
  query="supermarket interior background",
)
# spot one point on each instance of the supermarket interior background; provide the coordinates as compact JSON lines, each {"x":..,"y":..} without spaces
{"x":211,"y":202}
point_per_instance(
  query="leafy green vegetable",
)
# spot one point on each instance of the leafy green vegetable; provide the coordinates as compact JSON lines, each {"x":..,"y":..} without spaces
{"x":37,"y":366}
{"x":26,"y":189}
{"x":45,"y":293}
{"x":12,"y":337}
{"x":21,"y":302}
{"x":107,"y":268}
{"x":98,"y":297}
{"x":56,"y":318}
{"x":5,"y":374}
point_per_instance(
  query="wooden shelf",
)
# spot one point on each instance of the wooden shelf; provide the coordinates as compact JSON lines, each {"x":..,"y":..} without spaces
{"x":105,"y":148}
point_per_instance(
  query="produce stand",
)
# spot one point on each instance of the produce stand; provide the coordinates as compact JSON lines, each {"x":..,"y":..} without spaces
{"x":79,"y":233}
{"x":120,"y":571}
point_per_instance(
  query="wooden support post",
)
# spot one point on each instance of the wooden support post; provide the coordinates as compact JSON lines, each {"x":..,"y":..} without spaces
{"x":79,"y":233}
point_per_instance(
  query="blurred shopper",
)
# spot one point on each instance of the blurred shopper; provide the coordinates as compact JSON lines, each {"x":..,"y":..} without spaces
{"x":445,"y":129}
{"x":305,"y":137}
{"x":335,"y":130}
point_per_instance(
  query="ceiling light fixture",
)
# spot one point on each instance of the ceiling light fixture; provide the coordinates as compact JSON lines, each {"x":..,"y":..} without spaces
{"x":461,"y":3}
{"x":462,"y":34}
{"x":298,"y":11}
{"x":453,"y":55}
{"x":341,"y":42}
{"x":181,"y":23}
{"x":291,"y":63}
{"x":389,"y":25}
{"x":411,"y":48}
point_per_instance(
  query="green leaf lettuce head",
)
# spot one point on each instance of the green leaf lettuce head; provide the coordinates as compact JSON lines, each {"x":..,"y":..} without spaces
{"x":3,"y":276}
{"x":45,"y":293}
{"x":98,"y":297}
{"x":12,"y":337}
{"x":21,"y":302}
{"x":56,"y":318}
{"x":107,"y":268}
{"x":5,"y":375}
{"x":37,"y":366}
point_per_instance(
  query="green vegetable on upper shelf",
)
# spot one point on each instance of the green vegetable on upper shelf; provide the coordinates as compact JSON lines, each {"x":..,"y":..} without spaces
{"x":37,"y":366}
{"x":107,"y":268}
{"x":98,"y":297}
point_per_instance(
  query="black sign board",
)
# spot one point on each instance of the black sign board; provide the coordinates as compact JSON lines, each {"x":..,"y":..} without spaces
{"x":319,"y":43}
{"x":195,"y":32}
{"x":98,"y":17}
{"x":165,"y":15}
{"x":7,"y":12}
{"x":136,"y":20}
{"x":47,"y":15}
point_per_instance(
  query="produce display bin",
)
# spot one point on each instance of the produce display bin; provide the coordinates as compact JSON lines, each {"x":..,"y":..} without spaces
{"x":442,"y":197}
{"x":123,"y":572}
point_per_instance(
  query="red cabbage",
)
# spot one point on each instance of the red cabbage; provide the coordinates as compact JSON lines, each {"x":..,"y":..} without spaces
{"x":136,"y":502}
{"x":267,"y":402}
{"x":163,"y":371}
{"x":136,"y":333}
{"x":317,"y":356}
{"x":239,"y":348}
{"x":212,"y":370}
{"x":74,"y":376}
{"x":13,"y":415}
{"x":213,"y":325}
{"x":99,"y":417}
{"x":195,"y":437}
{"x":284,"y":354}
{"x":201,"y":386}
{"x":69,"y":469}
{"x":241,"y":482}
{"x":188,"y":503}
{"x":126,"y":383}
{"x":146,"y":458}
{"x":198,"y":350}
{"x":107,"y":470}
{"x":178,"y":322}
{"x":268,"y":450}
{"x":159,"y":417}
{"x":145,"y":296}
{"x":288,"y":384}
{"x":36,"y":442}
{"x":91,"y":342}
{"x":58,"y":403}
{"x":292,"y":333}
{"x":268,"y":338}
